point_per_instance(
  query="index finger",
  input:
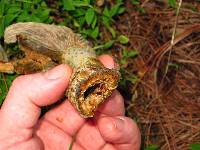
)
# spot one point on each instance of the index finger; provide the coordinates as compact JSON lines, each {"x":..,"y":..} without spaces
{"x":114,"y":105}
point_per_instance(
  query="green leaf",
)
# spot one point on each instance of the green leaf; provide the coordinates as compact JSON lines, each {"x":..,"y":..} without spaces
{"x":121,"y":10}
{"x":34,"y":18}
{"x":81,"y":4}
{"x":112,"y":31}
{"x":114,"y":10}
{"x":123,"y":39}
{"x":195,"y":146}
{"x":94,"y":34}
{"x":43,"y":14}
{"x":79,"y":12}
{"x":81,"y":21}
{"x":89,"y":16}
{"x":2,"y":25}
{"x":88,"y":1}
{"x":141,"y":9}
{"x":152,"y":147}
{"x":135,"y":2}
{"x":172,"y":3}
{"x":127,"y":54}
{"x":124,"y":53}
{"x":13,"y":10}
{"x":108,"y":44}
{"x":106,"y":12}
{"x":106,"y":21}
{"x":9,"y":18}
{"x":68,"y":5}
{"x":27,"y":6}
{"x":43,"y":4}
{"x":123,"y":61}
{"x":3,"y":87}
{"x":132,"y":53}
{"x":106,"y":18}
{"x":2,"y":7}
{"x":24,"y":16}
{"x":94,"y":22}
{"x":133,"y":79}
{"x":49,"y":20}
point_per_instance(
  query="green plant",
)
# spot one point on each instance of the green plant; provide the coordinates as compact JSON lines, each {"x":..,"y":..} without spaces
{"x":122,"y":39}
{"x":127,"y":76}
{"x":22,"y":11}
{"x":88,"y":17}
{"x":135,"y":2}
{"x":195,"y":146}
{"x":5,"y":82}
{"x":152,"y":147}
{"x":128,"y":54}
{"x":172,"y":3}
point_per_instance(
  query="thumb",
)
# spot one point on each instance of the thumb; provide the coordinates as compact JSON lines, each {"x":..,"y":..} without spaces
{"x":21,"y":108}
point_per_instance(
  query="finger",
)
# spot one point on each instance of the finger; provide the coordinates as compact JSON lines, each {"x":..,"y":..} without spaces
{"x":29,"y":92}
{"x":65,"y":117}
{"x":31,"y":144}
{"x":108,"y":146}
{"x":121,"y":131}
{"x":54,"y":138}
{"x":113,"y":106}
{"x":89,"y":136}
{"x":107,"y":61}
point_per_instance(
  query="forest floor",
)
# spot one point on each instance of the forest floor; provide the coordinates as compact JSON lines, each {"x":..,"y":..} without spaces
{"x":165,"y":99}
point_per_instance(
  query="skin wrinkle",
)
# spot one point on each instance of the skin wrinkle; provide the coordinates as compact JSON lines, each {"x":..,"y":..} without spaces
{"x":109,"y":146}
{"x":102,"y":137}
{"x":95,"y":123}
{"x":29,"y":137}
{"x":28,"y":97}
{"x":91,"y":126}
{"x":49,"y":123}
{"x":80,"y":145}
{"x":53,"y":125}
{"x":18,"y":143}
{"x":113,"y":99}
{"x":66,"y":109}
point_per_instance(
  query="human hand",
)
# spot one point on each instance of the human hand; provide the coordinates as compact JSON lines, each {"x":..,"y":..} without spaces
{"x":22,"y":129}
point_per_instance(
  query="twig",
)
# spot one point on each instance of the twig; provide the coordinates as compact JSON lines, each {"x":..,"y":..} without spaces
{"x":173,"y":37}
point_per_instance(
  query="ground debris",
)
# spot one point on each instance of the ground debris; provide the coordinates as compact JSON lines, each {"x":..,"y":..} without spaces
{"x":166,"y":100}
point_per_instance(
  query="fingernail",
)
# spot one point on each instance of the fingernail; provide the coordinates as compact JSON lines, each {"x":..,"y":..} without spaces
{"x":55,"y":73}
